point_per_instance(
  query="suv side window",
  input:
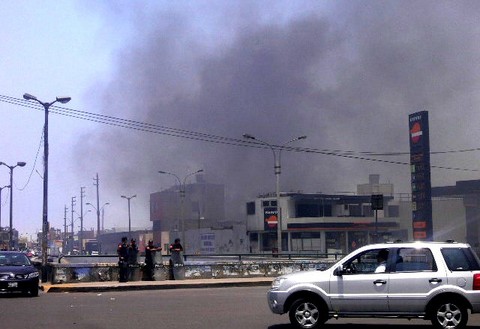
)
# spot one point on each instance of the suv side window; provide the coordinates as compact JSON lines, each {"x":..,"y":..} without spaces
{"x":367,"y":262}
{"x":460,"y":259}
{"x":414,"y":260}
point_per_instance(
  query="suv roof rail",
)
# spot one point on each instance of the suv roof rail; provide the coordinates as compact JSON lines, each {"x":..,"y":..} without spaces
{"x":450,"y":241}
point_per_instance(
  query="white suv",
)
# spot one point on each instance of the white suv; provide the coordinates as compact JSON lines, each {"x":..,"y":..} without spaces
{"x":430,"y":280}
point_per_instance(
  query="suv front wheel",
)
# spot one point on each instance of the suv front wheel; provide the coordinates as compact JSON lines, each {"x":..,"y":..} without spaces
{"x":307,"y":313}
{"x":451,"y":314}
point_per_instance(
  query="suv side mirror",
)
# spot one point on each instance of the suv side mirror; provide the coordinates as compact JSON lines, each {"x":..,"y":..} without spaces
{"x":339,"y":270}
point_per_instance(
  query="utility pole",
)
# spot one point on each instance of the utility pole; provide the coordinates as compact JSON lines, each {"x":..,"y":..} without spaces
{"x":97,"y":184}
{"x":1,"y":188}
{"x":98,"y":206}
{"x":82,"y":194}
{"x":65,"y":233}
{"x":71,"y":228}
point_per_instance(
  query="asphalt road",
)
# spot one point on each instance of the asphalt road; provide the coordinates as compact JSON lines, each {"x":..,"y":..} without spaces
{"x":229,"y":308}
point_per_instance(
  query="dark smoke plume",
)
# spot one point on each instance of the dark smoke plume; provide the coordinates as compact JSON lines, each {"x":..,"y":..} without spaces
{"x":346,"y":74}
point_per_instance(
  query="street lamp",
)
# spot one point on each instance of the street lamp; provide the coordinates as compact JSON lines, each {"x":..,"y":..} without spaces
{"x":46,"y":106}
{"x":182,"y":199}
{"x":10,"y":233}
{"x":102,"y":209}
{"x":98,"y":211}
{"x":81,"y":216}
{"x":1,"y":189}
{"x":129,"y":217}
{"x":277,"y":169}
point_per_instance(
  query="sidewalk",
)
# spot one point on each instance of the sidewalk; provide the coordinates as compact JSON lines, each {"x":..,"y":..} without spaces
{"x":151,"y":285}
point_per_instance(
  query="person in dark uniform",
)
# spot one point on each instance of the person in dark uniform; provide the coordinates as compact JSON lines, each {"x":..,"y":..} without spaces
{"x":176,"y":259}
{"x":132,"y":259}
{"x":150,"y":251}
{"x":176,"y":246}
{"x":122,"y":251}
{"x":133,"y":252}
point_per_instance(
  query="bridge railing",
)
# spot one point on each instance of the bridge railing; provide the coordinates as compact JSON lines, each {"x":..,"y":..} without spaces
{"x":207,"y":258}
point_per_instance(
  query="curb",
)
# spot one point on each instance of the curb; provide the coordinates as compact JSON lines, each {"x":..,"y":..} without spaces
{"x":158,"y":285}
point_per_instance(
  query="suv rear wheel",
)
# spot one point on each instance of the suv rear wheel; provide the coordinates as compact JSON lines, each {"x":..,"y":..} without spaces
{"x":449,"y":314}
{"x":307,"y":313}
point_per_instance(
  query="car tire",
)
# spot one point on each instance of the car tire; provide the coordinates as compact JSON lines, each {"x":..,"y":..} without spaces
{"x":449,"y":313}
{"x":307,"y":313}
{"x":33,"y":292}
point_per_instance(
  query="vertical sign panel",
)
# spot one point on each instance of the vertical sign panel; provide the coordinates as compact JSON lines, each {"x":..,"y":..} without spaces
{"x":420,"y":176}
{"x":270,"y":216}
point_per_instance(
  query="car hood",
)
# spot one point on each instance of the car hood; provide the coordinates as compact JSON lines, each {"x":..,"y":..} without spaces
{"x":17,"y":269}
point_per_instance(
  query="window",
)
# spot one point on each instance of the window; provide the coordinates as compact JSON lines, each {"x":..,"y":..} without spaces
{"x":250,"y":208}
{"x":367,"y":262}
{"x":355,"y":210}
{"x":335,"y":242}
{"x":460,"y":259}
{"x":393,"y":211}
{"x":313,"y":210}
{"x":306,"y":241}
{"x":367,"y":211}
{"x":308,"y":210}
{"x":414,"y":260}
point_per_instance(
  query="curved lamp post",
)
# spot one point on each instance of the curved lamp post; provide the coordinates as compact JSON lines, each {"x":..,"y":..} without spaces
{"x":129,"y":217}
{"x":182,"y":199}
{"x":46,"y":106}
{"x":277,"y":153}
{"x":10,"y":232}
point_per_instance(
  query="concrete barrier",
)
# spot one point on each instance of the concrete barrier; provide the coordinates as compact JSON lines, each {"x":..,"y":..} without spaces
{"x":71,"y":273}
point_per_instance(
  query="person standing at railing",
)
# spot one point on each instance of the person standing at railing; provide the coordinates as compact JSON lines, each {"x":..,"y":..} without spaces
{"x":176,"y":259}
{"x":133,"y":253}
{"x":122,"y":252}
{"x":150,"y":251}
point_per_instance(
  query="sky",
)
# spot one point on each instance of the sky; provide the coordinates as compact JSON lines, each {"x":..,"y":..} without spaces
{"x":194,"y":76}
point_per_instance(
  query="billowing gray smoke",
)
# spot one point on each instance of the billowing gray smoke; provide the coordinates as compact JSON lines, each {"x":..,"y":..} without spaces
{"x":344,"y":73}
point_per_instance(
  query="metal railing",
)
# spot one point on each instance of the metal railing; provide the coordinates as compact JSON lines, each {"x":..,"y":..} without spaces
{"x":207,"y":258}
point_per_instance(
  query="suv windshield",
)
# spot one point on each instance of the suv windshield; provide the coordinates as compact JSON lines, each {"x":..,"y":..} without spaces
{"x":460,"y":259}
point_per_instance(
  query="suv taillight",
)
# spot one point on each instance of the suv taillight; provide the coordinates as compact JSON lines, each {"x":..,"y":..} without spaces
{"x":476,"y":281}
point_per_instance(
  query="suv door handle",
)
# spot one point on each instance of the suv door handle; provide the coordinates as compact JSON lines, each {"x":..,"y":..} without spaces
{"x":435,"y":280}
{"x":379,"y":282}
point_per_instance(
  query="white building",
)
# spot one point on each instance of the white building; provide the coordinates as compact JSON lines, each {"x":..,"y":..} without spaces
{"x":332,"y":223}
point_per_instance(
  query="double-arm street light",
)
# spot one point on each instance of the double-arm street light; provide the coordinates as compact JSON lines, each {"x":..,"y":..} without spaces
{"x":10,"y":232}
{"x":46,"y":106}
{"x":98,"y":222}
{"x":129,"y":217}
{"x":182,"y":199}
{"x":81,"y":216}
{"x":277,"y":153}
{"x":98,"y":214}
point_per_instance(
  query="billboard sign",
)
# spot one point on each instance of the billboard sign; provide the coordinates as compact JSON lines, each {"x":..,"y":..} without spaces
{"x":377,"y":201}
{"x":270,"y":216}
{"x":420,"y":176}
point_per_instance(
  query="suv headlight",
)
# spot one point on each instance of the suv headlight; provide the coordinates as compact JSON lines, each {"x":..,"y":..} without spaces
{"x":277,"y":282}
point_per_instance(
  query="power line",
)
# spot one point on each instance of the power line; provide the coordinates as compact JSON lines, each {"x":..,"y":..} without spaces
{"x":210,"y":138}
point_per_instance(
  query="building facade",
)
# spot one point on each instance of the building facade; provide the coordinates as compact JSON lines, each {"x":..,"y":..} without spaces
{"x":325,"y":223}
{"x":201,"y":207}
{"x":340,"y":223}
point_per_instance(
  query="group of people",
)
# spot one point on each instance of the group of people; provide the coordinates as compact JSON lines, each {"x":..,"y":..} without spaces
{"x":128,"y":255}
